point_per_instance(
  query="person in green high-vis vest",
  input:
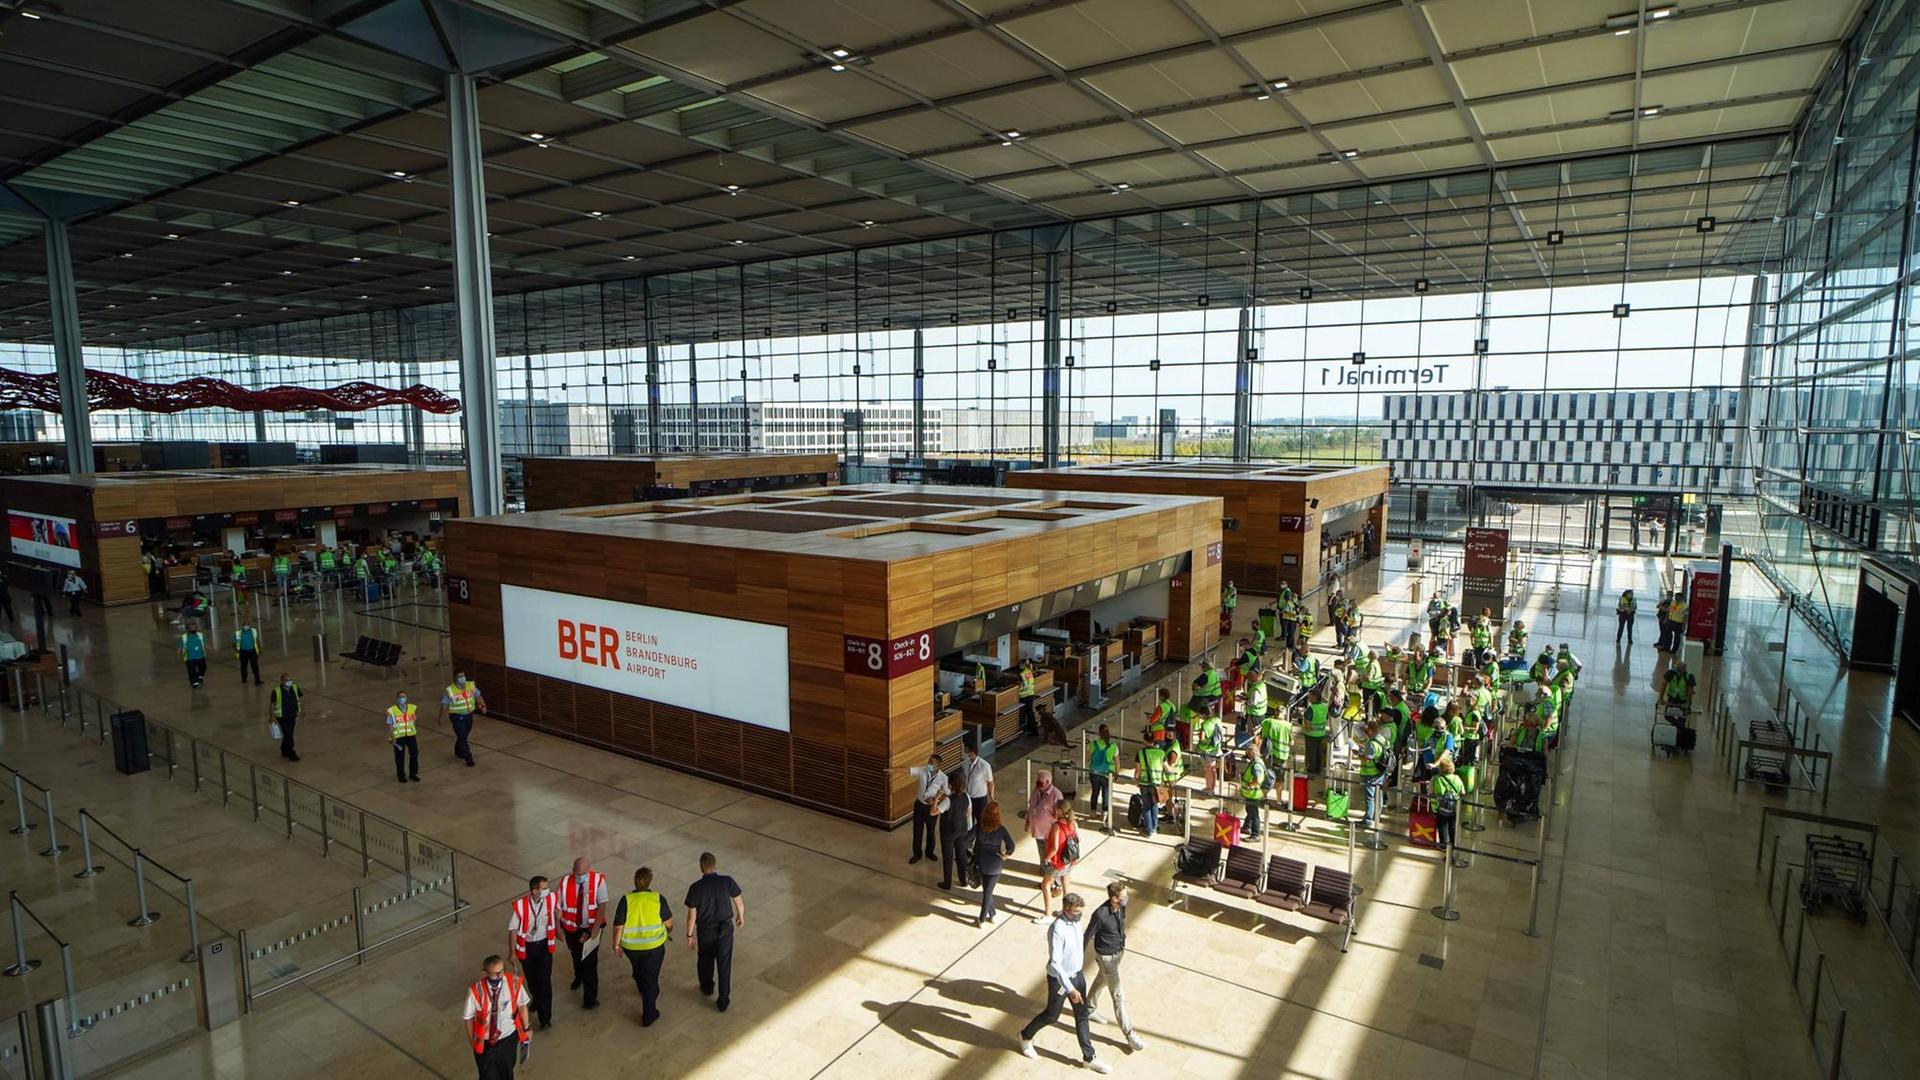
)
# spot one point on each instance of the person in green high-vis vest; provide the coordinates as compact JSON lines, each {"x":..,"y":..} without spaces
{"x":1103,"y":760}
{"x":246,"y":642}
{"x":193,"y":650}
{"x":1318,"y":713}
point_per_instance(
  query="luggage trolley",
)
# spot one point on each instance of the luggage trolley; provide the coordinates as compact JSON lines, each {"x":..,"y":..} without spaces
{"x":1767,"y":766}
{"x":1671,"y":733}
{"x":1837,"y":873}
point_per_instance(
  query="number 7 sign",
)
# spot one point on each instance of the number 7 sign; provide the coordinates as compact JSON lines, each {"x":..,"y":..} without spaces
{"x":888,"y":659}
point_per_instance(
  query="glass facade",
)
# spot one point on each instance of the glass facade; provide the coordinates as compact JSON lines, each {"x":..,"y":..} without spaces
{"x":1837,"y":393}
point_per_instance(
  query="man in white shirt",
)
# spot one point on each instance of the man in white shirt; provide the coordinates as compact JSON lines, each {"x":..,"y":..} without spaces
{"x":1065,"y":957}
{"x":930,"y":801}
{"x":978,"y":777}
{"x":495,"y":1020}
{"x":533,"y":933}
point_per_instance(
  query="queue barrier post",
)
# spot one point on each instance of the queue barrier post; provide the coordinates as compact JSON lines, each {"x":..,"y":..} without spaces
{"x":21,"y":962}
{"x":143,"y":917}
{"x":1444,"y":910}
{"x":54,"y":846}
{"x":88,"y":869}
{"x":193,"y":927}
{"x":20,"y":804}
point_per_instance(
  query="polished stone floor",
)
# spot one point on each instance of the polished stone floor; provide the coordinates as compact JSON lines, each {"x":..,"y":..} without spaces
{"x":1654,"y":955}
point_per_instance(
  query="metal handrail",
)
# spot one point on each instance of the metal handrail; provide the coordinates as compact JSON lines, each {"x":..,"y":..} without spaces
{"x":305,"y":975}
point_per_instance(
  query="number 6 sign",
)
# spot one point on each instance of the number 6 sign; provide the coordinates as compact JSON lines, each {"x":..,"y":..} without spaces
{"x":889,"y":659}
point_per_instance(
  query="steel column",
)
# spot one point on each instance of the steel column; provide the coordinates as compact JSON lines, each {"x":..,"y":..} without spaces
{"x":919,"y":395}
{"x":653,"y":369}
{"x":259,"y":415}
{"x":1050,"y":366}
{"x":1243,"y":387}
{"x":473,"y":297}
{"x":68,"y":359}
{"x":693,"y":399}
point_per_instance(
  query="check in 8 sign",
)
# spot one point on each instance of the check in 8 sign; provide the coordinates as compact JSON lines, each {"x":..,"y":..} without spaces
{"x":888,"y":659}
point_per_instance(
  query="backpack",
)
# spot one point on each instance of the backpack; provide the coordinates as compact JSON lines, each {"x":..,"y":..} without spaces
{"x":1070,"y":851}
{"x":1447,"y":801}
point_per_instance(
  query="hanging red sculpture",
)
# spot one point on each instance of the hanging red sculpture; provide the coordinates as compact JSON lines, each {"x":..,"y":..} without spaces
{"x":105,"y":390}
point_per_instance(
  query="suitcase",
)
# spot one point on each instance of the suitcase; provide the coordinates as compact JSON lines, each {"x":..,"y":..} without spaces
{"x":1136,"y":810}
{"x":1666,"y":736}
{"x":1269,"y":619}
{"x":1687,"y":736}
{"x":1226,"y":829}
{"x":1302,"y":793}
{"x":1423,"y":830}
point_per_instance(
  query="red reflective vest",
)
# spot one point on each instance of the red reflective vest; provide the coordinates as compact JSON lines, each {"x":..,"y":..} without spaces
{"x":580,"y":910}
{"x":523,"y":910}
{"x":477,"y":1027}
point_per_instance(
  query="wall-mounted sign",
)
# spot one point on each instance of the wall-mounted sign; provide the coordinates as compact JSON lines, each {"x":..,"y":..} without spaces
{"x":246,"y":519}
{"x":282,"y":516}
{"x":888,"y":659}
{"x":725,"y":667}
{"x":1703,"y":602}
{"x":106,"y":530}
{"x":176,"y":523}
{"x":459,"y":590}
{"x":48,"y":539}
{"x":1213,"y":553}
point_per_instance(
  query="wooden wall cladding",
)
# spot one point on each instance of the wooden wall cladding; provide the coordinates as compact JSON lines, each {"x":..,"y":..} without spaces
{"x":556,"y":483}
{"x":845,"y":729}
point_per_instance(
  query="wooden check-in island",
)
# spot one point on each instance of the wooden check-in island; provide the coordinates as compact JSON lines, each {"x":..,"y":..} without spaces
{"x":556,"y":483}
{"x":1292,"y":523}
{"x":97,"y":522}
{"x":800,"y":644}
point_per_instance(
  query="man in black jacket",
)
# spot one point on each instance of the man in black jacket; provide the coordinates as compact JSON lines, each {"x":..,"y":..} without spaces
{"x":283,"y":708}
{"x":955,"y":827}
{"x":1106,"y":939}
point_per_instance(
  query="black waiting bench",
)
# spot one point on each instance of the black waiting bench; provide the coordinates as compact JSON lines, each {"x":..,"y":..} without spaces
{"x":375,"y":653}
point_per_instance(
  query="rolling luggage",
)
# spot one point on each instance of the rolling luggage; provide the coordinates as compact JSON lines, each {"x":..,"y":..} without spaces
{"x":1269,"y":619}
{"x":1338,"y":804}
{"x":1422,"y":829}
{"x":1302,"y":793}
{"x":1226,"y":829}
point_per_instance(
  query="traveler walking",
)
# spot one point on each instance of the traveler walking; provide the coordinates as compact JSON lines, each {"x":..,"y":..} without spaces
{"x":1056,"y":867}
{"x":283,"y":709}
{"x":1066,"y":955}
{"x":1040,"y":804}
{"x":583,"y":911}
{"x":246,"y":643}
{"x":956,"y":828}
{"x":75,"y":588}
{"x":533,"y":933}
{"x":496,"y":1019}
{"x":458,"y":704}
{"x":714,"y":912}
{"x":645,"y":921}
{"x":992,"y":843}
{"x":1107,"y":936}
{"x":403,"y":734}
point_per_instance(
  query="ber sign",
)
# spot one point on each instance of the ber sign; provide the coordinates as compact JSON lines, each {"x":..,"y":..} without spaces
{"x":724,"y":667}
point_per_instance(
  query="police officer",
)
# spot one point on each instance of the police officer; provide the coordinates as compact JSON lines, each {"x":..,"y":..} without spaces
{"x":283,"y":708}
{"x":193,"y":650}
{"x":714,"y":911}
{"x":645,"y":921}
{"x":403,"y":734}
{"x":461,"y":700}
{"x":246,"y":642}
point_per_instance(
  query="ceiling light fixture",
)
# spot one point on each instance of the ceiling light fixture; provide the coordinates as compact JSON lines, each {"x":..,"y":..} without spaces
{"x":398,"y":174}
{"x":733,"y":189}
{"x":286,"y":273}
{"x":628,"y":258}
{"x":867,"y":224}
{"x":356,"y":258}
{"x":839,"y":52}
{"x":535,"y":136}
{"x":1122,"y":186}
{"x":173,"y":236}
{"x":1349,"y":153}
{"x":226,"y":284}
{"x":1704,"y":225}
{"x":363,"y":296}
{"x":1659,"y":13}
{"x":1008,"y":138}
{"x":738,"y":243}
{"x":1651,"y":110}
{"x":26,"y":14}
{"x":596,"y":213}
{"x":126,"y":254}
{"x":290,"y":202}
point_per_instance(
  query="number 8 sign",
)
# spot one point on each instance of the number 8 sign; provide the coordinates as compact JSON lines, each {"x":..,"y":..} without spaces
{"x":888,"y":659}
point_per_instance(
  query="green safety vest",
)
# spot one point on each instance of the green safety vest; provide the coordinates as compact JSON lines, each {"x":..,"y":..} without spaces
{"x":1210,"y":683}
{"x":193,"y":646}
{"x":326,"y":559}
{"x":1157,"y":724}
{"x":1257,"y":699}
{"x":643,"y":929}
{"x":1210,"y":735}
{"x":1277,"y":734}
{"x":1259,"y":640}
{"x":1401,"y":722}
{"x":1230,"y":599}
{"x":1482,"y":635}
{"x":1317,"y":720}
{"x":275,"y":697}
{"x":1448,"y":784}
{"x":1309,"y":674}
{"x":1152,"y":763}
{"x":281,"y":565}
{"x":246,"y":639}
{"x":1627,"y":604}
{"x":1420,"y":676}
{"x":1370,"y":677}
{"x":1106,"y":754}
{"x":1676,"y":686}
{"x":1516,"y":640}
{"x":360,"y":567}
{"x":1026,"y":684}
{"x":1376,"y":748}
{"x":1527,"y":739}
{"x":1253,"y":780}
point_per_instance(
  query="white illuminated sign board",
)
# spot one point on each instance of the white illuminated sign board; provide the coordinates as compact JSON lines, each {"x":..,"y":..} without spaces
{"x":724,"y":667}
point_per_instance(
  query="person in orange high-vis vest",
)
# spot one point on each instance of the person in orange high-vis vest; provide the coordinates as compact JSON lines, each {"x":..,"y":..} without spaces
{"x":496,"y":1020}
{"x":533,"y":932}
{"x":583,"y":912}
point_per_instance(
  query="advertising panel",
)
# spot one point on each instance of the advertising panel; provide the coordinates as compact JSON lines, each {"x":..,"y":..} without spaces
{"x":48,"y":539}
{"x":724,"y":667}
{"x":1703,"y":602}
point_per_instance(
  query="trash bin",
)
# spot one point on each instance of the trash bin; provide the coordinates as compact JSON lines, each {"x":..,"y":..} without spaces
{"x":129,"y":741}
